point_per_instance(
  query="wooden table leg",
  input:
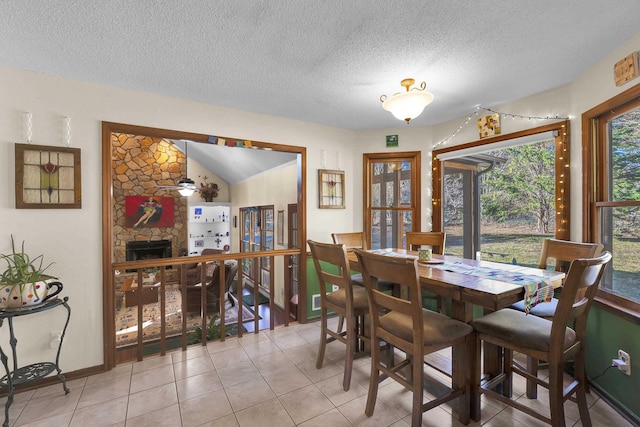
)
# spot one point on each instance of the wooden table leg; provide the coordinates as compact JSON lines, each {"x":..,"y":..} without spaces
{"x":460,"y":373}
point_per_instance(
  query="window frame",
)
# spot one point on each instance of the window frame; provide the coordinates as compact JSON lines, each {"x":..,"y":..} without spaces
{"x":595,"y":178}
{"x":413,"y":157}
{"x":562,"y":174}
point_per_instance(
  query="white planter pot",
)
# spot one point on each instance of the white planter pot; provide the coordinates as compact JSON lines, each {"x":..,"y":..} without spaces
{"x":28,"y":294}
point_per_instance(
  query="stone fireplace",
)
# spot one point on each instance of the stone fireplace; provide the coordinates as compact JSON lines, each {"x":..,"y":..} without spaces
{"x":148,"y":249}
{"x":140,"y":165}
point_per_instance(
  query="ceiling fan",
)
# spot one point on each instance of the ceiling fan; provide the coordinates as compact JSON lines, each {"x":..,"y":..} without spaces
{"x":185,"y":186}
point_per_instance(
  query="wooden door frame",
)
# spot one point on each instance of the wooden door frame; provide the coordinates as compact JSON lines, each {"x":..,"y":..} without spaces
{"x":369,"y":158}
{"x":291,"y":209}
{"x":108,"y":128}
{"x":562,"y":162}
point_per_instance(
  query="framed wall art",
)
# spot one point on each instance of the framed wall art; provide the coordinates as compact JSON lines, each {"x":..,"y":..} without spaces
{"x":489,"y":125}
{"x":330,"y":189}
{"x":149,"y":211}
{"x":47,"y":177}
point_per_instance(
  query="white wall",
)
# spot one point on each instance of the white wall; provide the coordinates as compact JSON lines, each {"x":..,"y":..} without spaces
{"x":279,"y":188}
{"x":197,"y":172}
{"x":72,"y":237}
{"x":410,"y":138}
{"x":590,"y":89}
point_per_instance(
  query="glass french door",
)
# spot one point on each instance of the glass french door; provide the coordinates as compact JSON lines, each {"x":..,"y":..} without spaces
{"x":292,"y":262}
{"x":257,"y":234}
{"x":392,"y":202}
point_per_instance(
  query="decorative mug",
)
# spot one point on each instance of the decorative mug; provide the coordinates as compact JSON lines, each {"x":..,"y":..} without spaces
{"x":28,"y":294}
{"x":424,"y":254}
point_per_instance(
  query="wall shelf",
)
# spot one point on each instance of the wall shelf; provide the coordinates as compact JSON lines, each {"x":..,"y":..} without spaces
{"x":209,"y":227}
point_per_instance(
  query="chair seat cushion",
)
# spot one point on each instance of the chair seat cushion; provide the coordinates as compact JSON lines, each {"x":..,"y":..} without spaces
{"x":544,"y":309}
{"x":360,"y":302}
{"x":383,"y":285}
{"x":438,"y":328}
{"x":522,"y":330}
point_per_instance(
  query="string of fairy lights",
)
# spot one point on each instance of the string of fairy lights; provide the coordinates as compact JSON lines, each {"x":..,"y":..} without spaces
{"x":512,"y":116}
{"x":505,"y":115}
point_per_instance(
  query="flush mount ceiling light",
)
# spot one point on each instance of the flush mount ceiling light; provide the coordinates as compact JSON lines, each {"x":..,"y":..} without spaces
{"x":409,"y":104}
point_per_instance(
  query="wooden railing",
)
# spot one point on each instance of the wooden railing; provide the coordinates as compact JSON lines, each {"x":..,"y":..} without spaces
{"x":172,"y":271}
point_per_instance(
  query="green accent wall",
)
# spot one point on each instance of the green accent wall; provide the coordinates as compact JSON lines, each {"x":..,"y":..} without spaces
{"x":313,"y":288}
{"x":606,"y":334}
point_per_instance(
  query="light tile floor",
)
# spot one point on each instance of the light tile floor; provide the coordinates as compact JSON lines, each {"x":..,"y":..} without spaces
{"x":265,"y":379}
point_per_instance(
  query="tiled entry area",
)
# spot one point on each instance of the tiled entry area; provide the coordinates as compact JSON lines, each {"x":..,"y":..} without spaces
{"x":268,"y":379}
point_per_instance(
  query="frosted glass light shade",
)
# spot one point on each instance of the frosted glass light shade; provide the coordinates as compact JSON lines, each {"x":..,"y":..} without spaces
{"x":186,"y":192}
{"x":408,"y":105}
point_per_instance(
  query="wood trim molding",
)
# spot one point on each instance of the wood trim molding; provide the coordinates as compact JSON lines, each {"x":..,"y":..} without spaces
{"x":108,"y":128}
{"x":416,"y":177}
{"x":590,"y":146}
{"x":562,"y":162}
{"x":80,"y":373}
{"x":618,"y":306}
{"x":592,"y":179}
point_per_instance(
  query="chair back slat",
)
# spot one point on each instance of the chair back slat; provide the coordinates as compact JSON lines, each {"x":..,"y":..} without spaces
{"x":352,"y":240}
{"x":564,"y":251}
{"x":582,"y":278}
{"x":435,"y":239}
{"x":401,"y":270}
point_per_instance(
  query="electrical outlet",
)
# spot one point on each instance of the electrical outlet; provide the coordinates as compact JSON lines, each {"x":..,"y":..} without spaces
{"x":626,"y":359}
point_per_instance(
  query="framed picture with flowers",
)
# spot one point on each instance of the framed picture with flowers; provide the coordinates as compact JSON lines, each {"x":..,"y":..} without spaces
{"x":330,"y":189}
{"x":47,"y":177}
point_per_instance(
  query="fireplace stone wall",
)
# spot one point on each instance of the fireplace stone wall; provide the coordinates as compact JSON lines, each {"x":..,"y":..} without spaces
{"x":140,"y":164}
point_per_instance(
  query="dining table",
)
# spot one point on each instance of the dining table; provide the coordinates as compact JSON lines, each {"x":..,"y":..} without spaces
{"x":468,"y":283}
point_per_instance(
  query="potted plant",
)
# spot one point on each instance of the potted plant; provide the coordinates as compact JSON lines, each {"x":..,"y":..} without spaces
{"x":24,"y":282}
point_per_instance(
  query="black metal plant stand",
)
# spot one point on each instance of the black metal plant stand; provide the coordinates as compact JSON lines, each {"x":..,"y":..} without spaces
{"x":34,"y":371}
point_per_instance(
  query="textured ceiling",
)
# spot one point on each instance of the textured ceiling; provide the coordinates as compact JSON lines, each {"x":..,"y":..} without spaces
{"x":319,"y":61}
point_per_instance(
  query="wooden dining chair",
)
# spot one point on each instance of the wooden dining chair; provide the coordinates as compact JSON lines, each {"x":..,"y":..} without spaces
{"x":213,"y":291}
{"x":348,"y":301}
{"x":436,"y":240}
{"x":557,"y":254}
{"x":351,"y":240}
{"x":358,"y":240}
{"x":405,"y":325}
{"x":555,"y":341}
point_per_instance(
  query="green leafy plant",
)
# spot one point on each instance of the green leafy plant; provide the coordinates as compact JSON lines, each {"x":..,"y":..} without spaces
{"x":22,"y":269}
{"x":213,"y":331}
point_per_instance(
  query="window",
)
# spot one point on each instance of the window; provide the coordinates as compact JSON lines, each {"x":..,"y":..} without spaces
{"x":501,"y":197}
{"x":612,"y":193}
{"x":392,"y":202}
